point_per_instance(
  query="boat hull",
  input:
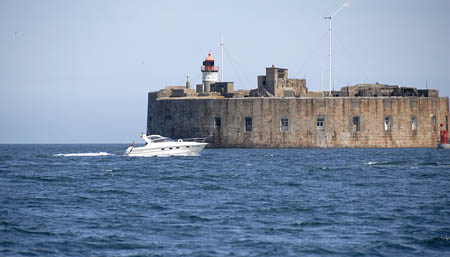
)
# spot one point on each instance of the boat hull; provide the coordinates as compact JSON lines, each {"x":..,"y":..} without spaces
{"x":174,"y":149}
{"x":444,"y":146}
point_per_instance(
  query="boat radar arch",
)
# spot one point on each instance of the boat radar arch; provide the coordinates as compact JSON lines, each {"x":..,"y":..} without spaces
{"x":146,"y":139}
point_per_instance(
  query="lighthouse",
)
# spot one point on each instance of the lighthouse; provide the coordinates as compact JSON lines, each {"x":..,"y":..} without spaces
{"x":209,"y":73}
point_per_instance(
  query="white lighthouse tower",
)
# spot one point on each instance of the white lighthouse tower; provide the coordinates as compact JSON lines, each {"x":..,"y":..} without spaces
{"x":209,"y":73}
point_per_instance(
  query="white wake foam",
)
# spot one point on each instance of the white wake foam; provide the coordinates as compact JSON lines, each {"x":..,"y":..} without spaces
{"x":375,"y":163}
{"x":83,"y":154}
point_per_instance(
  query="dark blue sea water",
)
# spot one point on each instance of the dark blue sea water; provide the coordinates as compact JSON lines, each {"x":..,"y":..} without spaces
{"x":226,"y":202}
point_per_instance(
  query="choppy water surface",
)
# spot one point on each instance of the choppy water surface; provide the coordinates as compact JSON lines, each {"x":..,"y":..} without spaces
{"x":88,"y":200}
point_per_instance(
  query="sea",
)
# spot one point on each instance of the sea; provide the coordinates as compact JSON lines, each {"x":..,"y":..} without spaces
{"x":91,"y":200}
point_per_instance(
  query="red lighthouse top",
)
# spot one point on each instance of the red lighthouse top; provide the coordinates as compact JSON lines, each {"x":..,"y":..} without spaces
{"x":209,"y":58}
{"x":208,"y":64}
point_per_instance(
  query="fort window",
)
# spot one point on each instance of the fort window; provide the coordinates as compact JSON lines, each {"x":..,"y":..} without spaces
{"x":414,"y":123}
{"x":284,"y":124}
{"x":248,"y":124}
{"x":434,"y":121}
{"x":356,"y":123}
{"x":387,"y":123}
{"x":217,"y":122}
{"x":320,"y":123}
{"x":281,"y":73}
{"x":446,"y":123}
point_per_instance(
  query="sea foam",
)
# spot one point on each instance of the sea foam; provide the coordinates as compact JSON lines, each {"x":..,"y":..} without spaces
{"x":82,"y":154}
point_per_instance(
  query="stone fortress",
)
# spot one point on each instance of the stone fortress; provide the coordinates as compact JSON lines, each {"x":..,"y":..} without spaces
{"x":282,"y":113}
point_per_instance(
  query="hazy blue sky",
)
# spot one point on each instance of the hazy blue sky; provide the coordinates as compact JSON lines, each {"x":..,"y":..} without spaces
{"x":79,"y":71}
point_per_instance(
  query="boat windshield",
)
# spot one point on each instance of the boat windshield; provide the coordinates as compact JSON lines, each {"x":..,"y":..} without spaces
{"x":160,"y":139}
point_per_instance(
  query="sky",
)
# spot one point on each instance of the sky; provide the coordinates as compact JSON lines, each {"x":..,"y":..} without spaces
{"x":79,"y":71}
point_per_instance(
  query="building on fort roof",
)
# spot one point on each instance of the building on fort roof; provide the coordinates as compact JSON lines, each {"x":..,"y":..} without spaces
{"x":282,"y":113}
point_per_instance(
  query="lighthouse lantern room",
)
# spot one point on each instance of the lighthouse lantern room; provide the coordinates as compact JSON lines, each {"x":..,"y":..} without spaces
{"x":209,"y":73}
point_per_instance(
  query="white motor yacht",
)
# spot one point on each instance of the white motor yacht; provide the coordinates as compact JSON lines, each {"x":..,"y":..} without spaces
{"x":157,"y":145}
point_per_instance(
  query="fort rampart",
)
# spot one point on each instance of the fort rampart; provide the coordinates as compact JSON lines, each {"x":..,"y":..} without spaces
{"x":301,"y":122}
{"x":283,"y":113}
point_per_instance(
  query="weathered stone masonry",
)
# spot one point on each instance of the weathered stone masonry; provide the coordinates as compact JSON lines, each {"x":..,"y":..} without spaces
{"x":282,"y":113}
{"x":183,"y":118}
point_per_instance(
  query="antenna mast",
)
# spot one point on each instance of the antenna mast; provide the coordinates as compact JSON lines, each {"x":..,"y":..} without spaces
{"x":345,"y":4}
{"x":221,"y":59}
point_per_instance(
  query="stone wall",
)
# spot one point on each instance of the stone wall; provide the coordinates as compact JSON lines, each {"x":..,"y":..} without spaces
{"x":223,"y":87}
{"x":196,"y":117}
{"x":276,"y":84}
